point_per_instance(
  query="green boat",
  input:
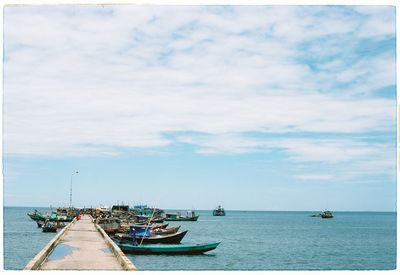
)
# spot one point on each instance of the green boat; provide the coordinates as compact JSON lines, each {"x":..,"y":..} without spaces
{"x":167,"y":248}
{"x":190,"y":216}
{"x":37,"y":216}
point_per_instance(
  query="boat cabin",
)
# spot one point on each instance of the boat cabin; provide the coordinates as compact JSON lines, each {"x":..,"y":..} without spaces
{"x":120,"y":208}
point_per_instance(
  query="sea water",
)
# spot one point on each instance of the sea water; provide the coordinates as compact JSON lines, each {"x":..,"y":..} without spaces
{"x":251,"y":240}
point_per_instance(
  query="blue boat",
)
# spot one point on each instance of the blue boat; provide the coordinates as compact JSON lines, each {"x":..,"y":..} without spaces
{"x":142,"y":234}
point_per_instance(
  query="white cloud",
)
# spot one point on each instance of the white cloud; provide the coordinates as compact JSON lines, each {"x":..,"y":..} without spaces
{"x":339,"y":159}
{"x":85,"y":80}
{"x":333,"y":150}
{"x":379,"y":21}
{"x":314,"y":177}
{"x":298,"y":149}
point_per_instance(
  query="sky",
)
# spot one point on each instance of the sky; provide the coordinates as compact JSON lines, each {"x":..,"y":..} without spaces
{"x":189,"y":107}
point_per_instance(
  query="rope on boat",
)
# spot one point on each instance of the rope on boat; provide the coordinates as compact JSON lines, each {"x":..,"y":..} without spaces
{"x":147,"y":226}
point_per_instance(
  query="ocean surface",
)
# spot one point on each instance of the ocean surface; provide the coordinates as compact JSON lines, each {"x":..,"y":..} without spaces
{"x":251,"y":240}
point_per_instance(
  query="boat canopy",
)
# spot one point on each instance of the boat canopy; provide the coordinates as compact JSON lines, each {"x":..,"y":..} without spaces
{"x":120,"y":208}
{"x":141,"y":231}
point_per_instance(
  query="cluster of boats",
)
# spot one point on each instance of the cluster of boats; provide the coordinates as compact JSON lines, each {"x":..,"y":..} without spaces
{"x":142,"y":230}
{"x":50,"y":222}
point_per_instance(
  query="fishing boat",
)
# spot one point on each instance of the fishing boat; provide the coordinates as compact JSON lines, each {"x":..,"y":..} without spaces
{"x":118,"y":209}
{"x":190,"y":216}
{"x":165,"y":231}
{"x":151,"y":225}
{"x":157,"y":220}
{"x":61,"y":224}
{"x":147,"y":219}
{"x":315,"y":215}
{"x":49,"y":227}
{"x":148,"y":211}
{"x":146,"y":215}
{"x":166,"y":249}
{"x":154,"y":231}
{"x":109,"y":225}
{"x":39,"y":223}
{"x":174,"y":238}
{"x":63,"y":218}
{"x":219,"y":211}
{"x":326,"y":214}
{"x":37,"y":216}
{"x":143,"y":235}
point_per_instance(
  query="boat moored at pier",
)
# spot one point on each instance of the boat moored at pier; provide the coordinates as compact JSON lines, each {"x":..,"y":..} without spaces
{"x":183,"y":249}
{"x":190,"y":216}
{"x":49,"y":227}
{"x":173,"y":238}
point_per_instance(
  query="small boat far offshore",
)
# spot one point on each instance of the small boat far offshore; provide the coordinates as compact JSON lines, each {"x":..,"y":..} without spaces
{"x":219,"y":211}
{"x":326,"y":214}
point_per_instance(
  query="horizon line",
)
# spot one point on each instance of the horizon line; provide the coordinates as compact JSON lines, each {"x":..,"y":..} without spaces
{"x":251,"y":210}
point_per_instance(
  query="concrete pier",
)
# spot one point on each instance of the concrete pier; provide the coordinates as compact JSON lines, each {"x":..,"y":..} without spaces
{"x":82,"y":246}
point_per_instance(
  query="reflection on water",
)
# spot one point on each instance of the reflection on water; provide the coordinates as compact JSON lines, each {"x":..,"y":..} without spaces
{"x":60,"y":251}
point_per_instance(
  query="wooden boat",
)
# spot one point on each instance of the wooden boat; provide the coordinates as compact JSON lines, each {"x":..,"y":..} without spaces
{"x":173,"y":238}
{"x":63,"y":218}
{"x":124,"y":228}
{"x":40,"y":224}
{"x":120,"y":208}
{"x":49,"y":227}
{"x":219,"y":211}
{"x":161,"y":226}
{"x":151,"y":226}
{"x":164,"y":231}
{"x":190,"y":216}
{"x":110,"y":225}
{"x":167,"y":249}
{"x":147,"y":219}
{"x":149,"y":212}
{"x":61,"y":224}
{"x":157,"y":220}
{"x":37,"y":216}
{"x":153,"y":231}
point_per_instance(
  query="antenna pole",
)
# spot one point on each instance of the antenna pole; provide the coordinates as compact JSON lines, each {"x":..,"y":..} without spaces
{"x":70,"y":190}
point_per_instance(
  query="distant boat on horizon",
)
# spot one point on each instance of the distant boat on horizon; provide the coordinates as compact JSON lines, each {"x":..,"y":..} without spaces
{"x":219,"y":211}
{"x":325,"y":215}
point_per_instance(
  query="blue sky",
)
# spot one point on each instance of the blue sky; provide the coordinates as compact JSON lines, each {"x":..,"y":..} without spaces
{"x":251,"y":107}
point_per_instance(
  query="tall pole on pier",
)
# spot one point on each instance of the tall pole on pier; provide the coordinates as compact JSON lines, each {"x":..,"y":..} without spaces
{"x":70,"y":190}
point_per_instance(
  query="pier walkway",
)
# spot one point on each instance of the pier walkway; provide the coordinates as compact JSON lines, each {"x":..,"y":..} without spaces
{"x":83,"y":246}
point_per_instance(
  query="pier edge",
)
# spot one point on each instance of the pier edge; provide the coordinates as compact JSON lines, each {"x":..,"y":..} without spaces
{"x":39,"y":259}
{"x":122,"y":259}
